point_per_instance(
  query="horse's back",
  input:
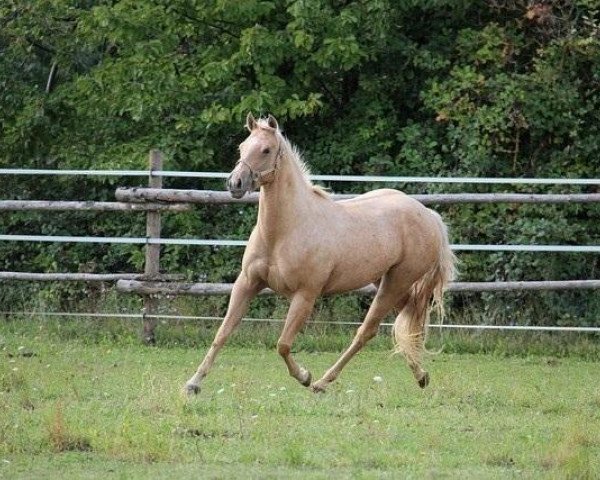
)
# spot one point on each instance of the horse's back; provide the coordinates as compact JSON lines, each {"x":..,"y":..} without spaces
{"x":373,"y":195}
{"x":384,"y":202}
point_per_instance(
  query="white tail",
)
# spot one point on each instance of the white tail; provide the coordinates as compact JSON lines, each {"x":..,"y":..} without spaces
{"x":410,"y":327}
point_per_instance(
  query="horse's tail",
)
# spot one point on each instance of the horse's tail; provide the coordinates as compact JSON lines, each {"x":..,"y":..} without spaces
{"x":410,"y":327}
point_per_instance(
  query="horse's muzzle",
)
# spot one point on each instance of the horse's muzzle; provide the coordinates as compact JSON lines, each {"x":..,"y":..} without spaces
{"x":239,"y":183}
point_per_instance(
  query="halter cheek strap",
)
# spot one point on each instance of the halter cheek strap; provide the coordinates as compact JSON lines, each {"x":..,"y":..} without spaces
{"x":266,"y":176}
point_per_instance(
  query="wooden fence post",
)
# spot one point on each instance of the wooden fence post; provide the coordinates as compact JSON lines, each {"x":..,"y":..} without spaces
{"x":152,"y":263}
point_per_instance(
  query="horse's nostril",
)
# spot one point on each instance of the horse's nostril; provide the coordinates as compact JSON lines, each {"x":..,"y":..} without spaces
{"x":238,"y":184}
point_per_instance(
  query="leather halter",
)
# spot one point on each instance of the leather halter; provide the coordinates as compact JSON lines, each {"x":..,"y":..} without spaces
{"x":266,"y":176}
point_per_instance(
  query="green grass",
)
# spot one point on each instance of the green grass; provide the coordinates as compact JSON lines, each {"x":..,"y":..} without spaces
{"x":75,"y":408}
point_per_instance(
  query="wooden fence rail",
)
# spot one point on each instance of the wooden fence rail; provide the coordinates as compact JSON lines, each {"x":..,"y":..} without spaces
{"x":202,"y":289}
{"x":220,"y":197}
{"x":85,"y":277}
{"x":70,"y":277}
{"x":59,"y":205}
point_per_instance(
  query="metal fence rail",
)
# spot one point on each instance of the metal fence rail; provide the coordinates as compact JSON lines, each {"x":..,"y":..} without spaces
{"x":243,"y":243}
{"x":166,"y":317}
{"x":326,"y":178}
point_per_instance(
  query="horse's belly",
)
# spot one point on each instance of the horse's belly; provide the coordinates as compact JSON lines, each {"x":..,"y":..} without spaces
{"x":352,"y":275}
{"x":346,"y":285}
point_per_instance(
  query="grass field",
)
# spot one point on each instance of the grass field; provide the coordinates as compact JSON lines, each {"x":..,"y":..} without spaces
{"x":71,"y":408}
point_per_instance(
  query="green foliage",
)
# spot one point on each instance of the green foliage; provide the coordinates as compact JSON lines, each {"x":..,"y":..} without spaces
{"x":503,"y":88}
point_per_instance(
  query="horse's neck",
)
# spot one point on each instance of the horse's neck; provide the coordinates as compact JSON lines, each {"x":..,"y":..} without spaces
{"x":285,"y":202}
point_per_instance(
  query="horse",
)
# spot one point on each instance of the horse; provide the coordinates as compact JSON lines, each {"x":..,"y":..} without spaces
{"x":305,"y":245}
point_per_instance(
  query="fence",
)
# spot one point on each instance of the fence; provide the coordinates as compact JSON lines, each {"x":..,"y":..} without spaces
{"x":155,"y":200}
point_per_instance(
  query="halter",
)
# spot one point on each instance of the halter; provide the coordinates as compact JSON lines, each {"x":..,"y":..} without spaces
{"x":267,"y":176}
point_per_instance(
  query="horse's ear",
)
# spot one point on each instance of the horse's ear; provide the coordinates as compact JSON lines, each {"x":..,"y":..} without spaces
{"x":272,"y":122}
{"x":250,"y":122}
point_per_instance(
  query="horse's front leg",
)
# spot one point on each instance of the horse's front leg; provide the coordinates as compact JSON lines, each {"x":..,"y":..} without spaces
{"x":244,"y":290}
{"x":301,"y":307}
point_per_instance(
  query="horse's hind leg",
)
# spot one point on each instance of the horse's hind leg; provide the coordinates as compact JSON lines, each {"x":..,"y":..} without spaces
{"x":300,"y":309}
{"x":243,"y":291}
{"x":385,"y":300}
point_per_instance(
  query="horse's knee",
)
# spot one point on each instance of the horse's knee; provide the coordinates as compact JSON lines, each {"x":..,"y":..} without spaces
{"x":283,"y":349}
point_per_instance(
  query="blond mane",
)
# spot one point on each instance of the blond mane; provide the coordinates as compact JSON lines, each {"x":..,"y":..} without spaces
{"x":292,"y":152}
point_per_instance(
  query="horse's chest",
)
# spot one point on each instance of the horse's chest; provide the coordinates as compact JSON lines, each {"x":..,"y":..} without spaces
{"x":282,"y":279}
{"x":289,"y":266}
{"x":287,"y":275}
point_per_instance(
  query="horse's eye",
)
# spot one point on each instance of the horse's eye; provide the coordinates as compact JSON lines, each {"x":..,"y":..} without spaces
{"x":266,"y":151}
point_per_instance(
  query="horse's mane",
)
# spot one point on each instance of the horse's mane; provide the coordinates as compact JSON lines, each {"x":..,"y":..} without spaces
{"x":292,"y":152}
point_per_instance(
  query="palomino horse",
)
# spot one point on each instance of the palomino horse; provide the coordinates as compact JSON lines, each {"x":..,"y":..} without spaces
{"x":305,"y":245}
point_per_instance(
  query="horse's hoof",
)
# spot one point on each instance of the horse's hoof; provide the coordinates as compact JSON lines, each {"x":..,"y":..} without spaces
{"x":191,"y":389}
{"x":307,"y":380}
{"x":318,"y":387}
{"x":424,"y":380}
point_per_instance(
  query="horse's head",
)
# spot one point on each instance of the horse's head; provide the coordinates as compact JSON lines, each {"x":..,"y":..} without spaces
{"x":259,"y":155}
